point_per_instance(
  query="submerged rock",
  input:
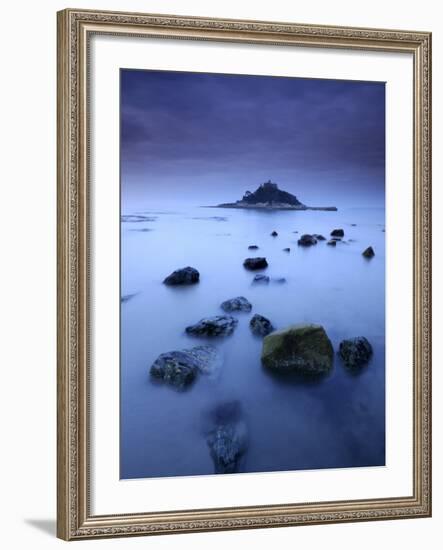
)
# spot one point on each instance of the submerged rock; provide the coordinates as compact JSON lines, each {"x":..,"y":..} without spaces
{"x":219,"y":325}
{"x":252,"y":247}
{"x":286,"y":249}
{"x":337,"y":233}
{"x":180,"y":368}
{"x":261,"y":279}
{"x":127,"y":297}
{"x":355,"y":352}
{"x":236,"y":304}
{"x":307,"y":240}
{"x":279,"y":280}
{"x":255,"y":263}
{"x":227,"y":441}
{"x":184,"y":276}
{"x":369,"y":252}
{"x":274,"y":234}
{"x":332,"y":242}
{"x":261,"y":326}
{"x":319,"y":237}
{"x":303,"y":348}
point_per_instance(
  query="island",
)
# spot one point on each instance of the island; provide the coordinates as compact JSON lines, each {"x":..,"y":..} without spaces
{"x":269,"y":197}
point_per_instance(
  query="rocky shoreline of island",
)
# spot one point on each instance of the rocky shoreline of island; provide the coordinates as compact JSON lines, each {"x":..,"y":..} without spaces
{"x":268,"y":196}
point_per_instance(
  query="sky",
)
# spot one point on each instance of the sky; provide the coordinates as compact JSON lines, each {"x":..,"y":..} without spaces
{"x":206,"y":138}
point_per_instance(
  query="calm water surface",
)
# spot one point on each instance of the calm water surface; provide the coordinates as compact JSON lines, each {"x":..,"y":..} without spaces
{"x":292,"y":424}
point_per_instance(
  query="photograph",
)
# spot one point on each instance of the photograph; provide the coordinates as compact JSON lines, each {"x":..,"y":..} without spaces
{"x":252,"y":273}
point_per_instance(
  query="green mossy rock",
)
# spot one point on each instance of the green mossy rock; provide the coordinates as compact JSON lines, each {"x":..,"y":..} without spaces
{"x":304,"y":349}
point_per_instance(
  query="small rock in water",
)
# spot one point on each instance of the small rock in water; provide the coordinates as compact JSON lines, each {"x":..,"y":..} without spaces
{"x":263,"y":279}
{"x":236,"y":304}
{"x":369,"y":252}
{"x":255,"y":263}
{"x":337,"y":233}
{"x":261,"y":326}
{"x":227,"y":442}
{"x":252,"y":247}
{"x":279,"y":280}
{"x":180,"y":368}
{"x":355,"y":352}
{"x":304,"y":349}
{"x":319,"y":237}
{"x":332,"y":243}
{"x":219,"y":325}
{"x":353,"y":224}
{"x":185,"y":276}
{"x":274,"y":234}
{"x":286,"y":250}
{"x":307,"y":240}
{"x":127,"y":297}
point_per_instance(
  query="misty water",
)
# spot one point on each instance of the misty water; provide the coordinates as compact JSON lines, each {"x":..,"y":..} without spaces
{"x":292,"y":423}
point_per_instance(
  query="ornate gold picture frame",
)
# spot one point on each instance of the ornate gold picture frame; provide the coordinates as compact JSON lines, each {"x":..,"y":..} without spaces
{"x":74,"y":517}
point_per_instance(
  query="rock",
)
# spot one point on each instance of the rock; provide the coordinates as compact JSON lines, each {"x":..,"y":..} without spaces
{"x":303,"y":348}
{"x":353,"y":224}
{"x":262,"y":279}
{"x":252,"y":247}
{"x":219,"y":325}
{"x":255,"y":263}
{"x":355,"y":352}
{"x":227,"y":441}
{"x":180,"y":368}
{"x":279,"y":280}
{"x":274,"y":234}
{"x":337,"y":233}
{"x":286,"y":250}
{"x":307,"y":240}
{"x":332,"y":243}
{"x":260,"y":325}
{"x":236,"y":304}
{"x":127,"y":297}
{"x":335,"y":238}
{"x":319,"y":237}
{"x":369,"y":252}
{"x":185,"y":276}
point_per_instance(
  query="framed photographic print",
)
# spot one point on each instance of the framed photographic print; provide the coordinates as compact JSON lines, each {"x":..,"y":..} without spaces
{"x":243,"y":274}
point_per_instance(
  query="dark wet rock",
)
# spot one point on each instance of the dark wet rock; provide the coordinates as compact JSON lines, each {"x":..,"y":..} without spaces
{"x":369,"y":252}
{"x":185,"y":276}
{"x":353,"y":224}
{"x":274,"y":234}
{"x":180,"y":368}
{"x":227,"y":440}
{"x":307,"y":240}
{"x":319,"y":237}
{"x":255,"y":263}
{"x":261,"y":279}
{"x":137,"y":218}
{"x":337,"y":233}
{"x":355,"y":352}
{"x":304,"y":349}
{"x":332,"y":243}
{"x":279,"y":280}
{"x":127,"y":297}
{"x":219,"y":325}
{"x":286,"y":249}
{"x":261,"y":326}
{"x":252,"y":247}
{"x":236,"y":304}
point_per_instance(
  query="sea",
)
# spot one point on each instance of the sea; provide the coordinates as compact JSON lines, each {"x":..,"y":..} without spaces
{"x":292,"y":423}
